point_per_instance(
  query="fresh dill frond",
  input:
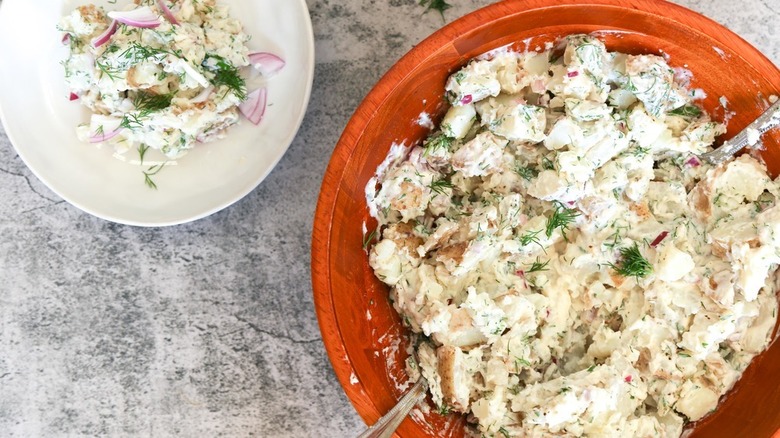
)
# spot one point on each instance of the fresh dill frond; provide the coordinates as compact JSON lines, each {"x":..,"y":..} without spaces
{"x":526,"y":172}
{"x":561,"y":218}
{"x":689,"y":111}
{"x":370,"y":238}
{"x":145,"y":105}
{"x":440,"y":186}
{"x":504,"y":432}
{"x":225,"y":74}
{"x":530,"y":237}
{"x":149,"y":173}
{"x":444,"y":409}
{"x":142,"y":152}
{"x":437,"y":142}
{"x":632,"y":263}
{"x":437,"y":5}
{"x":537,"y":266}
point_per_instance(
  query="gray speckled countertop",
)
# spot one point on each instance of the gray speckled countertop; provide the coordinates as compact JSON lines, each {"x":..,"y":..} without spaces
{"x":207,"y":329}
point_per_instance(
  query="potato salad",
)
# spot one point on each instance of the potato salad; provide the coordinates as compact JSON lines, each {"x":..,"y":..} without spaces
{"x":162,"y":75}
{"x":570,"y":265}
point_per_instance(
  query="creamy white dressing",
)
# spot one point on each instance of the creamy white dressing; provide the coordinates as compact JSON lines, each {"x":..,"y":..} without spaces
{"x":573,"y":267}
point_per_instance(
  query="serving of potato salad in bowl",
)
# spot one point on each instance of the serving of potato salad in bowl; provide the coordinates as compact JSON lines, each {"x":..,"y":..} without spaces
{"x":163,"y":76}
{"x":567,"y":262}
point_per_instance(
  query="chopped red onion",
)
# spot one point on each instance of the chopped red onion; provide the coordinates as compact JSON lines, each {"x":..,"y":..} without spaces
{"x":167,"y":12}
{"x":659,"y":238}
{"x":66,"y":39}
{"x":103,"y":136}
{"x":253,"y":108}
{"x":142,"y":17}
{"x":73,"y":96}
{"x":573,"y":74}
{"x":105,"y":36}
{"x":466,"y":99}
{"x":267,"y":63}
{"x":628,"y":378}
{"x":693,"y":162}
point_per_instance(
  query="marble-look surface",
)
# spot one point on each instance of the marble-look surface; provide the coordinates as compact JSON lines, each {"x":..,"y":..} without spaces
{"x":207,"y":329}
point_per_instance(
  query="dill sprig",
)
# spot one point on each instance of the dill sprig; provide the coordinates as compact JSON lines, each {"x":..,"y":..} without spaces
{"x":142,"y":152}
{"x":561,"y":218}
{"x":537,"y":266}
{"x":440,"y":186}
{"x":632,"y":263}
{"x":530,"y":237}
{"x":526,"y":172}
{"x":225,"y":74}
{"x":370,"y":238}
{"x":437,"y":142}
{"x":145,"y":105}
{"x":149,"y":173}
{"x":689,"y":111}
{"x":437,"y":5}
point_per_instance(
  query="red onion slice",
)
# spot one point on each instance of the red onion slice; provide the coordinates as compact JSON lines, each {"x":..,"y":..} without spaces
{"x":660,"y":238}
{"x":167,"y":12}
{"x":100,"y":137}
{"x":253,"y":108}
{"x":66,"y":39}
{"x":267,"y":63}
{"x":105,"y":36}
{"x":693,"y":162}
{"x":142,"y":17}
{"x":572,"y":74}
{"x":73,"y":96}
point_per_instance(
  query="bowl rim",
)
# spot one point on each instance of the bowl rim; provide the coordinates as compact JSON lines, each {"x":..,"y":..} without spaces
{"x":353,"y":132}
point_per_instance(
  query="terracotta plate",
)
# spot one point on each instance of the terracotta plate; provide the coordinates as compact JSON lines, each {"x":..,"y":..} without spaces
{"x":362,"y":333}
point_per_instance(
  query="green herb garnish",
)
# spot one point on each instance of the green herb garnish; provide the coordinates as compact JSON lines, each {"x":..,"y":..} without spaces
{"x":142,"y":152}
{"x":437,"y":142}
{"x":444,"y":410}
{"x":145,"y":105}
{"x":225,"y":74}
{"x":149,"y":173}
{"x":440,"y":186}
{"x":632,"y":263}
{"x":503,"y":431}
{"x":561,"y":218}
{"x":686,"y":111}
{"x":526,"y":172}
{"x":370,"y":238}
{"x":537,"y":266}
{"x":531,"y":237}
{"x":437,"y":5}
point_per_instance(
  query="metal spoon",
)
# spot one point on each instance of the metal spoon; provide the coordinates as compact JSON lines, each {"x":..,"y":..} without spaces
{"x":748,"y":137}
{"x":389,"y":422}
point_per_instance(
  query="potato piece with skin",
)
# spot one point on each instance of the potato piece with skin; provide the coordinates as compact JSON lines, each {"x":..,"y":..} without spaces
{"x":458,"y":121}
{"x":455,"y":380}
{"x":695,"y":401}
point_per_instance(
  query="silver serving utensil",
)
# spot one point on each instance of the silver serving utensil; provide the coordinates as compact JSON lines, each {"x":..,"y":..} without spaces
{"x":748,"y":137}
{"x":389,"y":422}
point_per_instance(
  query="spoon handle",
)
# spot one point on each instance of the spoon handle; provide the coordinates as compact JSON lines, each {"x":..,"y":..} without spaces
{"x":747,"y":137}
{"x":391,"y":420}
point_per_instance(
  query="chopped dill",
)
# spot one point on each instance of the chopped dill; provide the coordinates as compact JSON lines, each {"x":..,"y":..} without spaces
{"x":561,"y":218}
{"x":437,"y":5}
{"x":632,"y":263}
{"x":530,"y":237}
{"x":370,"y":238}
{"x":689,"y":111}
{"x":444,"y":410}
{"x":225,"y":74}
{"x":538,"y":266}
{"x":526,"y":172}
{"x":149,"y":173}
{"x":142,"y":152}
{"x":440,"y":186}
{"x":145,"y":104}
{"x":437,"y":142}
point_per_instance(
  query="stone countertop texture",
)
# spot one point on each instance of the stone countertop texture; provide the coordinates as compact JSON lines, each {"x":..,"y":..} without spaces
{"x":208,"y":329}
